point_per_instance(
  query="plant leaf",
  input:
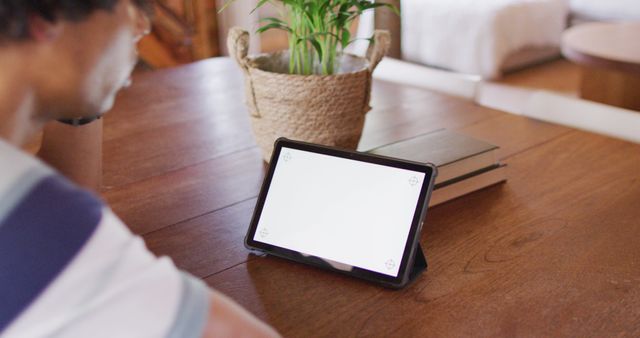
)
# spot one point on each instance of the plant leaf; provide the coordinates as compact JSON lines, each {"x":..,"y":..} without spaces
{"x":316,"y":45}
{"x":272,"y":26}
{"x":346,"y":35}
{"x":226,"y":4}
{"x":258,"y":5}
{"x":317,"y":29}
{"x":273,"y":20}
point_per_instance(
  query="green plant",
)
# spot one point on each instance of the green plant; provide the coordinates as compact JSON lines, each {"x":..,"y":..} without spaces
{"x":316,"y":28}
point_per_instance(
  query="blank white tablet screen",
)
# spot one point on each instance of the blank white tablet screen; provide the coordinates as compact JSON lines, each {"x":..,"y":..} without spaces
{"x":342,"y":210}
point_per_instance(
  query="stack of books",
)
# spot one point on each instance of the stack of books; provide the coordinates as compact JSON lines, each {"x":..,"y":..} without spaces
{"x":464,"y":164}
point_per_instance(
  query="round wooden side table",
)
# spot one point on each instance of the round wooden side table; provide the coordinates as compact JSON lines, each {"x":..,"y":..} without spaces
{"x":609,"y":55}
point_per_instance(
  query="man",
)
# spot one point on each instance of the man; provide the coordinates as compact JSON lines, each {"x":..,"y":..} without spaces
{"x":68,"y":266}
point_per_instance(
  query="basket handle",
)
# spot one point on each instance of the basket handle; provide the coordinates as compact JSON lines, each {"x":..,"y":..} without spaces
{"x":238,"y":46}
{"x":378,"y":48}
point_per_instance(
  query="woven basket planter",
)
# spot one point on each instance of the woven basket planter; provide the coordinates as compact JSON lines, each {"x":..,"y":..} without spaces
{"x":324,"y":109}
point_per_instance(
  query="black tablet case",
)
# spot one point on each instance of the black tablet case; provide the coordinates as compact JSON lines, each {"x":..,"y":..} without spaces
{"x":419,"y":264}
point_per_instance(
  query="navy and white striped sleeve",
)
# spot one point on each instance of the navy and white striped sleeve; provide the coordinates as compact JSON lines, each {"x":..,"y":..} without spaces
{"x":39,"y":237}
{"x":69,"y":267}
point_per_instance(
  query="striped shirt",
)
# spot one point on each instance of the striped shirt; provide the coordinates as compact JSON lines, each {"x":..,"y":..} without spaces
{"x":70,"y":268}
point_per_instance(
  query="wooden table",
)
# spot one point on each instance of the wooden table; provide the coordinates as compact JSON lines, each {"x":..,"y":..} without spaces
{"x":553,"y":252}
{"x":609,"y":54}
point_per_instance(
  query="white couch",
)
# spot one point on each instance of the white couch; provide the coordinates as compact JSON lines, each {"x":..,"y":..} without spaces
{"x":479,"y":36}
{"x":488,"y":37}
{"x":605,"y":10}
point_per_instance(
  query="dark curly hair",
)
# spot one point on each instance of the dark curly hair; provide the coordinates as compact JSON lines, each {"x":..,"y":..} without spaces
{"x":14,"y":14}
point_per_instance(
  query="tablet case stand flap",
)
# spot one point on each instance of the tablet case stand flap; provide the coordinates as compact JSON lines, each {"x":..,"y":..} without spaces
{"x":419,"y":264}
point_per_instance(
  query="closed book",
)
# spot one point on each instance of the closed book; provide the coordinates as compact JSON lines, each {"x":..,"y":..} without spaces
{"x":454,"y":154}
{"x":463,"y":185}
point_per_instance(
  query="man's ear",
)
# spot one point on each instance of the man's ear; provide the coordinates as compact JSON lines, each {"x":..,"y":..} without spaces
{"x":43,"y":30}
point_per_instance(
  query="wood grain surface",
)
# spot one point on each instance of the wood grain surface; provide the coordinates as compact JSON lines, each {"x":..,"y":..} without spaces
{"x":553,"y":252}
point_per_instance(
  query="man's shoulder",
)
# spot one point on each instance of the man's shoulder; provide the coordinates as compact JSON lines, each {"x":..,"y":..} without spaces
{"x":64,"y":255}
{"x":44,"y":221}
{"x":19,"y":170}
{"x":29,"y":188}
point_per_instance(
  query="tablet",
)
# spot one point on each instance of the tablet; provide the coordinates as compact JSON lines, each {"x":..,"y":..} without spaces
{"x":354,"y":213}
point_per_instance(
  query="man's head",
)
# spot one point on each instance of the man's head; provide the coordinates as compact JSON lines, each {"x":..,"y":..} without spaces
{"x":75,"y":54}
